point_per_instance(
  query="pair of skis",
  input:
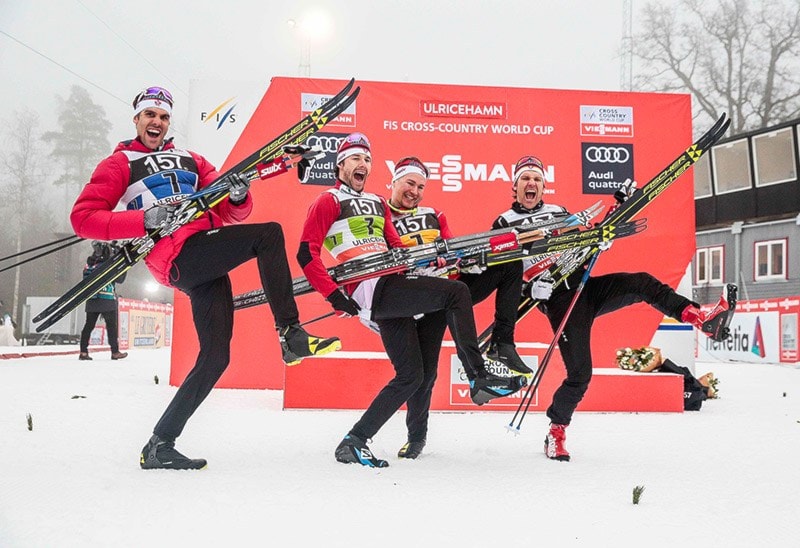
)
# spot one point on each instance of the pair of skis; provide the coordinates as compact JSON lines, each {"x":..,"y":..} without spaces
{"x":274,"y":158}
{"x":486,"y":249}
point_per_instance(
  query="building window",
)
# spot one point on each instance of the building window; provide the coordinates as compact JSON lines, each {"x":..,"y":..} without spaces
{"x":702,"y":177}
{"x":708,"y":265}
{"x":732,"y":167}
{"x":774,"y":157}
{"x":770,"y":259}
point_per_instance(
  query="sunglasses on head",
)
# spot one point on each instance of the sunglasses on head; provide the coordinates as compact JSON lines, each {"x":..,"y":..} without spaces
{"x":154,"y":92}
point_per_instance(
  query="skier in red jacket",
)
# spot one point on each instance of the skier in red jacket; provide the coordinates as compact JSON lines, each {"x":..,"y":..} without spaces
{"x":147,"y":176}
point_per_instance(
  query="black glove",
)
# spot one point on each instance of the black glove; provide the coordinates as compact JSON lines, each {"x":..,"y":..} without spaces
{"x":343,"y":304}
{"x":158,"y":216}
{"x":239,"y":187}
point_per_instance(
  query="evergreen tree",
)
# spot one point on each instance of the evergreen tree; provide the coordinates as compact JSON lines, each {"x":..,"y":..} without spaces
{"x":80,"y":144}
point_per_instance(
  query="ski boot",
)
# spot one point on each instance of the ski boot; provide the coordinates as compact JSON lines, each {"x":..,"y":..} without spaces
{"x":488,"y":386}
{"x":353,"y":449}
{"x":84,"y":356}
{"x":716,"y":322}
{"x":411,"y":449}
{"x":555,"y":442}
{"x":297,"y":344}
{"x":506,"y":354}
{"x":161,"y":454}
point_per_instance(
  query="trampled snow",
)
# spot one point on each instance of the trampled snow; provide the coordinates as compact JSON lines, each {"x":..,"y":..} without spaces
{"x":727,"y":475}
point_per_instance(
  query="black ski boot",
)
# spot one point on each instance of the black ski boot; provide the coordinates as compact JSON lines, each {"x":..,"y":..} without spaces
{"x":506,"y":354}
{"x":353,"y":449}
{"x":160,"y":454}
{"x":297,"y":344}
{"x":488,"y":386}
{"x":716,"y":323}
{"x":411,"y":449}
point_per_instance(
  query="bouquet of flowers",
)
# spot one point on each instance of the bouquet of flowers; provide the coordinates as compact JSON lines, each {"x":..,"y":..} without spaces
{"x":711,"y":383}
{"x":642,"y":359}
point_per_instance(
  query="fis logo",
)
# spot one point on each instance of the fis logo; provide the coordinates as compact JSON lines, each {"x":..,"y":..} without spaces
{"x":220,"y":114}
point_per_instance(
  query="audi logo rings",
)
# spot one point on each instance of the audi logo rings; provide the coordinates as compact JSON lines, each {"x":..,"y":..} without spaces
{"x":328,"y":143}
{"x":607,"y":155}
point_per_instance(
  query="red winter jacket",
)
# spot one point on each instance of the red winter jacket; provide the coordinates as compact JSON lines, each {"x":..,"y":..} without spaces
{"x":93,"y":215}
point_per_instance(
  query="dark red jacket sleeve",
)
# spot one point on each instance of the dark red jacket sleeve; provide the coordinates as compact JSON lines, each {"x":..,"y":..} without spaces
{"x":444,"y":228}
{"x":93,"y":215}
{"x":321,"y":215}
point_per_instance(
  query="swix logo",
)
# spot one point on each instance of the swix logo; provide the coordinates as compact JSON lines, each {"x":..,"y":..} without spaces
{"x":218,"y":116}
{"x":504,"y":247}
{"x":503,"y":242}
{"x":453,"y":172}
{"x":272,"y":168}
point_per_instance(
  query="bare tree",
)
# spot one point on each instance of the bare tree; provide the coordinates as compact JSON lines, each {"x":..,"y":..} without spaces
{"x":21,"y":159}
{"x":731,"y":56}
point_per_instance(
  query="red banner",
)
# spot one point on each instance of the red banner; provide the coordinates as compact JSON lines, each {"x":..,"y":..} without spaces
{"x":470,"y":137}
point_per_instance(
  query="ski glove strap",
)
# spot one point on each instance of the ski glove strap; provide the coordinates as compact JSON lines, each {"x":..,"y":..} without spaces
{"x":239,"y":187}
{"x":344,"y":305}
{"x":158,"y":216}
{"x":625,"y":191}
{"x":542,"y":288}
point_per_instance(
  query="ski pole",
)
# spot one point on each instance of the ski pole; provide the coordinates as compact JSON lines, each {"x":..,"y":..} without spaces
{"x":29,"y":259}
{"x":527,"y":398}
{"x":318,"y":318}
{"x":38,"y":247}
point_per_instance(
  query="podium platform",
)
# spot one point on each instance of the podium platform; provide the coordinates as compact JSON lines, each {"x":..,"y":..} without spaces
{"x":350,"y":380}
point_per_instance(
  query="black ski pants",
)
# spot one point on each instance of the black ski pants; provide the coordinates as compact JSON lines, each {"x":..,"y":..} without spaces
{"x":110,"y":317}
{"x":201,"y":271}
{"x":601,"y":295}
{"x":506,"y":278}
{"x":414,"y":356}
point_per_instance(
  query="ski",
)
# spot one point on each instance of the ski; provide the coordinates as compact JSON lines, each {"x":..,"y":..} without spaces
{"x":266,"y":162}
{"x":625,"y":211}
{"x":486,"y":248}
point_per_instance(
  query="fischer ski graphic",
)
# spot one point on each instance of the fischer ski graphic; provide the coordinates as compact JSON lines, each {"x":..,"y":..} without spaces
{"x":274,"y":158}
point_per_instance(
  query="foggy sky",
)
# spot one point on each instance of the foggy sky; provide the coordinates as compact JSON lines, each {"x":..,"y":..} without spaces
{"x":122,"y":47}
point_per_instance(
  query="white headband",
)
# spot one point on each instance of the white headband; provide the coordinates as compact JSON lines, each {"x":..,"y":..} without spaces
{"x":402,"y":171}
{"x":144,"y":104}
{"x":518,"y":174}
{"x":346,"y":153}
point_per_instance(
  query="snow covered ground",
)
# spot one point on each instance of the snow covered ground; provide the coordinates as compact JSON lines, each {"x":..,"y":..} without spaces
{"x":728,"y":475}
